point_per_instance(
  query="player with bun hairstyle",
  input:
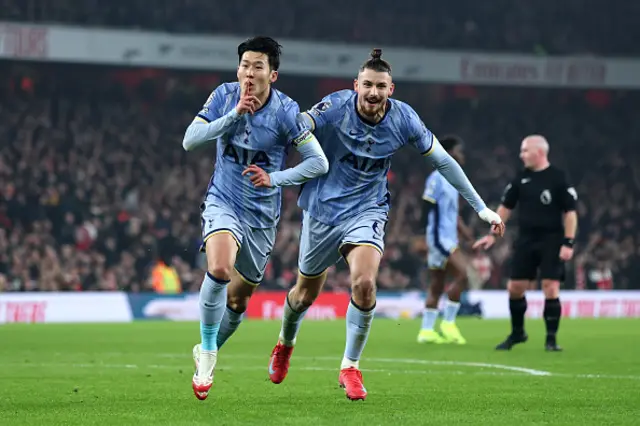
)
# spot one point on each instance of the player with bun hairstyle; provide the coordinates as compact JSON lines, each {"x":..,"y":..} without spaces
{"x":345,"y":211}
{"x":373,"y":104}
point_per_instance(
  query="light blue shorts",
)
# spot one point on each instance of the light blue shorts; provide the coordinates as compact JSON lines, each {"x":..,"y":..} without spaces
{"x":440,"y":252}
{"x":254,"y":244}
{"x":321,"y":245}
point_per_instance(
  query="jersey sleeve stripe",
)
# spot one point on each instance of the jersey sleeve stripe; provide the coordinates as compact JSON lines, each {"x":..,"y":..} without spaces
{"x":428,"y":153}
{"x":429,"y":199}
{"x":203,"y":118}
{"x":430,"y":150}
{"x":313,"y":122}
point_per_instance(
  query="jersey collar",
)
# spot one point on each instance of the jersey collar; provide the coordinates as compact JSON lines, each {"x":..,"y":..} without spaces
{"x":267,"y":102}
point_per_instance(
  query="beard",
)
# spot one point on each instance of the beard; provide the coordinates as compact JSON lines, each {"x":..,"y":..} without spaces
{"x":373,"y":108}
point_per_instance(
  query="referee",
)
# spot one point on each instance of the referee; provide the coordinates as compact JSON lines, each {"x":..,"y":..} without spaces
{"x":547,"y":222}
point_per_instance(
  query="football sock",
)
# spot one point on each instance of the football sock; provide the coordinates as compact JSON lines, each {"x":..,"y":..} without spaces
{"x":552,"y":313}
{"x":291,"y":321}
{"x":213,"y":298}
{"x":230,"y":323}
{"x":358,"y":327}
{"x":429,"y":317}
{"x":517,"y":307}
{"x":450,"y":311}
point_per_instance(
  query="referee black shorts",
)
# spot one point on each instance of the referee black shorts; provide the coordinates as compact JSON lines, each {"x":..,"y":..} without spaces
{"x":537,"y":253}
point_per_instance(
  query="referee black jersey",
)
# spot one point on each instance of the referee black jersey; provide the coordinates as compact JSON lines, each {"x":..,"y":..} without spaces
{"x":541,"y":197}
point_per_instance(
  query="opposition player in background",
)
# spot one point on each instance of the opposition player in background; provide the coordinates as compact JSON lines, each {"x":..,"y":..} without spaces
{"x":444,"y":259}
{"x":253,"y":125}
{"x":346,"y":210}
{"x":547,"y":222}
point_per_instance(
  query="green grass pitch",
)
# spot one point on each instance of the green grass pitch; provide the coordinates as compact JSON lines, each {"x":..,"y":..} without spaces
{"x":140,"y":374}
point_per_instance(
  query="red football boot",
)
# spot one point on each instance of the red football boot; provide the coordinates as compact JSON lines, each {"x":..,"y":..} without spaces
{"x":279,"y":363}
{"x":201,"y":383}
{"x":351,"y":380}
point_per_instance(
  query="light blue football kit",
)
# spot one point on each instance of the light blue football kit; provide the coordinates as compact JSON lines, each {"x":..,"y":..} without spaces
{"x":442,"y":227}
{"x":349,"y":205}
{"x":232,"y":203}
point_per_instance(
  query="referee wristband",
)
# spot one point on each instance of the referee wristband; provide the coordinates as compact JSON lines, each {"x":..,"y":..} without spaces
{"x":568,"y":242}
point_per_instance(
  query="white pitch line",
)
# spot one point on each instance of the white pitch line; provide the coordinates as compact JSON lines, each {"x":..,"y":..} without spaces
{"x":511,"y":371}
{"x":523,"y":370}
{"x":506,"y":369}
{"x":257,"y":368}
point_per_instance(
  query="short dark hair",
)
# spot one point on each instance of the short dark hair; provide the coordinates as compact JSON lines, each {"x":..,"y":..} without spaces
{"x":376,"y":63}
{"x":450,"y":142}
{"x":265,"y":45}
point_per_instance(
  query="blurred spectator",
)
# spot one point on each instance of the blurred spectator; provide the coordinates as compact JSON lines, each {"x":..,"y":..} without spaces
{"x":165,"y":279}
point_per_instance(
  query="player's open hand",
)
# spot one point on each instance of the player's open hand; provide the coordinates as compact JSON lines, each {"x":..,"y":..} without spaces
{"x":484,"y":243}
{"x":257,"y":176}
{"x":247,"y":103}
{"x":566,"y":253}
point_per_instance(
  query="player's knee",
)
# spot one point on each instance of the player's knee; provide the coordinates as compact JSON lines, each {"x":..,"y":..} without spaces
{"x":300,"y":298}
{"x":551,"y":289}
{"x":517,"y":289}
{"x":306,"y":291}
{"x":364,"y":288}
{"x":220,"y":272}
{"x":237,"y":302}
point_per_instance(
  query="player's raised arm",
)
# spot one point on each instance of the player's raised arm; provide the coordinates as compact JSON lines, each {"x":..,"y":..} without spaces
{"x":453,"y":173}
{"x":314,"y":162}
{"x":210,"y":123}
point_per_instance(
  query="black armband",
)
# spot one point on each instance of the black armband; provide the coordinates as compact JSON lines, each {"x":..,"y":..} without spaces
{"x":568,"y":242}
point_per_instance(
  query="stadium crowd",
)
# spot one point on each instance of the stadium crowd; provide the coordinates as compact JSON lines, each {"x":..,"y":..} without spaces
{"x":498,"y":25}
{"x":95,"y":188}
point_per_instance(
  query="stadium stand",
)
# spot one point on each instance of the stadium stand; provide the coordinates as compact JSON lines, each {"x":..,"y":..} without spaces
{"x":95,"y":189}
{"x":499,"y":25}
